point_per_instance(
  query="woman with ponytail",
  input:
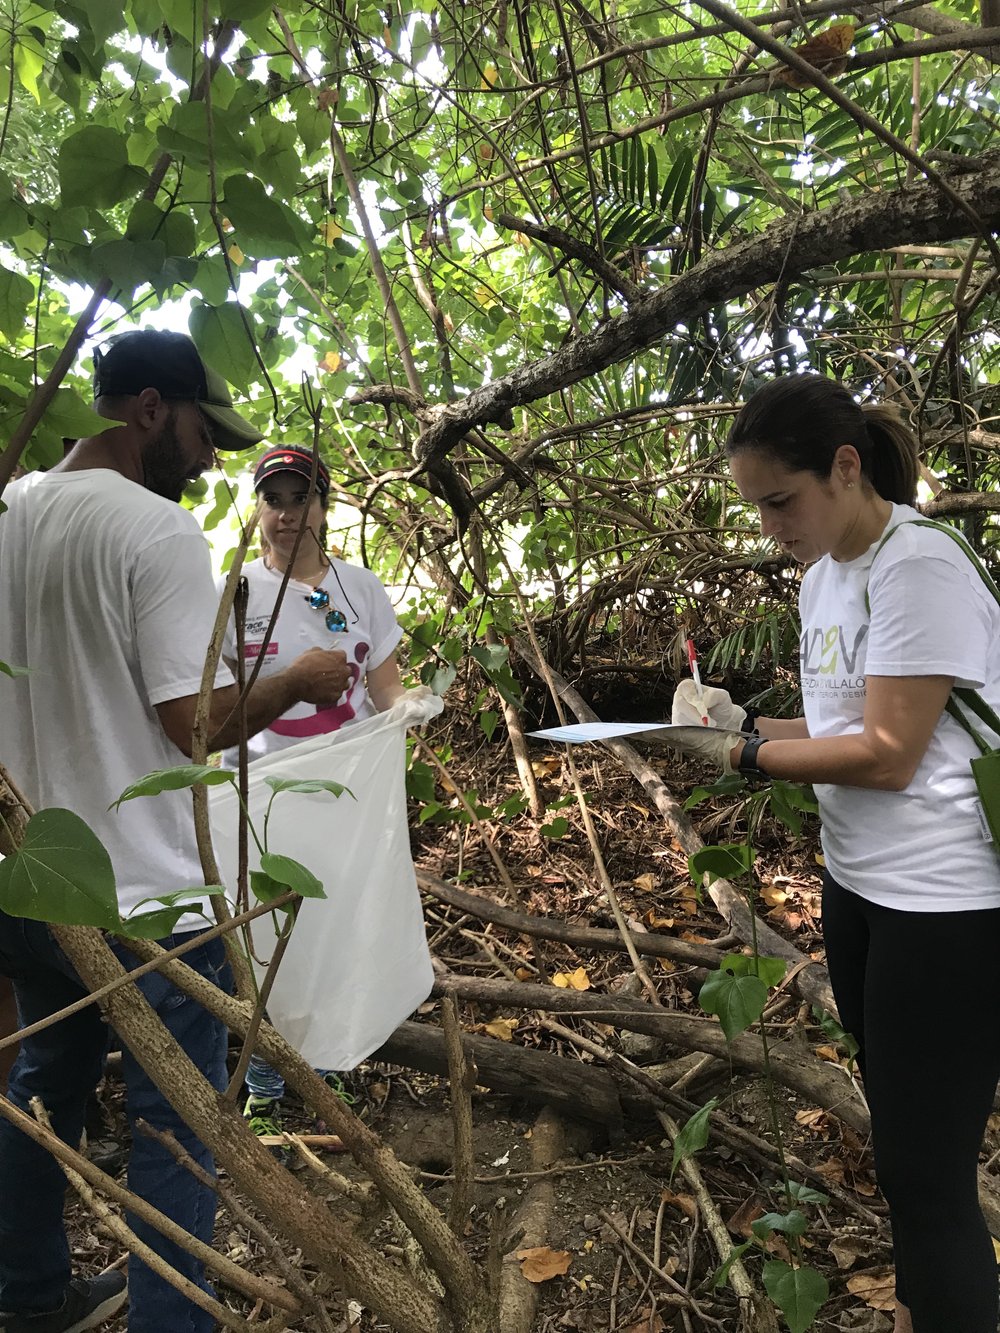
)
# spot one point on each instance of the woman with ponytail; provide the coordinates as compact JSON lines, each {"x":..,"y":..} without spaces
{"x":911,"y":886}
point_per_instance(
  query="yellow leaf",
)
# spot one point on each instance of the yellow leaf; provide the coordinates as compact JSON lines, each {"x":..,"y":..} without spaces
{"x":655,"y":922}
{"x":646,"y":882}
{"x":387,"y":38}
{"x":773,"y":896}
{"x":540,"y":1263}
{"x":331,"y":361}
{"x":501,"y":1028}
{"x":486,"y":152}
{"x":996,"y":1248}
{"x":488,"y":213}
{"x":489,"y":78}
{"x":522,"y":240}
{"x":820,"y":859}
{"x":330,"y":231}
{"x":577,"y":980}
{"x":666,"y":965}
{"x":876,"y":1289}
{"x":551,"y":763}
{"x":236,"y":255}
{"x":524,"y":974}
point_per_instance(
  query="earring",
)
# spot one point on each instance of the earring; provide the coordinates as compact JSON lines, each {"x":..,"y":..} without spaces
{"x":850,"y":485}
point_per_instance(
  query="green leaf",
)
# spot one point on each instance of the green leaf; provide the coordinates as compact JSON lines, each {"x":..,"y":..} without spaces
{"x":727,"y":860}
{"x":153,"y":925}
{"x":491,"y":656}
{"x":693,"y":1135}
{"x":792,"y":1224}
{"x":728,"y":785}
{"x":61,"y":872}
{"x":12,"y":671}
{"x":488,"y":722}
{"x":265,"y":228}
{"x":264,"y":888}
{"x":737,"y":1001}
{"x":770,"y":970}
{"x":221,"y":338}
{"x":174,"y":779}
{"x":797,"y":1292}
{"x":68,"y":415}
{"x":292,"y":874}
{"x":16,"y":295}
{"x":805,"y":1194}
{"x":557,"y":828}
{"x":721,"y":1274}
{"x":94,"y":168}
{"x":308,"y":785}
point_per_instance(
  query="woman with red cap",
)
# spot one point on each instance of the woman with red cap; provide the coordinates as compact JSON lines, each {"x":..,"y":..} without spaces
{"x":328,"y":603}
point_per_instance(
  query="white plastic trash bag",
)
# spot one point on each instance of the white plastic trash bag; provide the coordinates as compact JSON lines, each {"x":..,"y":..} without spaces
{"x":357,"y":963}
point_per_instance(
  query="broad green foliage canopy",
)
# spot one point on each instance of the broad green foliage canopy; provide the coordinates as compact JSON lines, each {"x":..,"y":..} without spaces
{"x":589,"y":229}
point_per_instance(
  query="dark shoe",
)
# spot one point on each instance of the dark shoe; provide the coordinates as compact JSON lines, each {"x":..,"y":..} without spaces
{"x":88,"y":1302}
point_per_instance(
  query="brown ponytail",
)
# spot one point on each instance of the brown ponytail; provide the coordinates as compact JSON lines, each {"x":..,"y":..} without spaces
{"x":802,"y":420}
{"x":892,"y":465}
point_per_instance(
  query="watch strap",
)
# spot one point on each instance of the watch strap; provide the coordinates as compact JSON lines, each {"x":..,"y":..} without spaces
{"x":748,"y":758}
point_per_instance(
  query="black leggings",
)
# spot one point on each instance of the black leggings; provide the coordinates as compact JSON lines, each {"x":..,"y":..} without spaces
{"x":930,"y":1055}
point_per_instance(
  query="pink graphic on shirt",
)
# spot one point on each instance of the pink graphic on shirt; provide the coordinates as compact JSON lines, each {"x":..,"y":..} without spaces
{"x":253,"y":650}
{"x":324,"y":720}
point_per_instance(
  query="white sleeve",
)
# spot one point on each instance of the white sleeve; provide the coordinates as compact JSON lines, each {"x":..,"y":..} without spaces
{"x":384,"y":627}
{"x":174,"y":604}
{"x":931,"y":615}
{"x":229,"y":637}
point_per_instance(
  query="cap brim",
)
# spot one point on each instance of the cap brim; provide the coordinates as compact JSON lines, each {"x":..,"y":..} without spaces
{"x":229,"y":430}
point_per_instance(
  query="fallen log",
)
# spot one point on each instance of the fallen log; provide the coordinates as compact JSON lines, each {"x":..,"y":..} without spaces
{"x":822,"y":1083}
{"x":575,"y":1089}
{"x":580,"y":937}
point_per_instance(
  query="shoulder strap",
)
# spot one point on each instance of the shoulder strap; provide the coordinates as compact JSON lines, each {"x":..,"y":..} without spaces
{"x":972,"y":699}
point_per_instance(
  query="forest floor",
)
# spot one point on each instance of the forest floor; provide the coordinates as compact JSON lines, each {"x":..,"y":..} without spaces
{"x":627,"y":1246}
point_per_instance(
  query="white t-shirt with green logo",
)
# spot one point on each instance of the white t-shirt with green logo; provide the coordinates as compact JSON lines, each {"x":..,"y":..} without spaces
{"x":921,"y":849}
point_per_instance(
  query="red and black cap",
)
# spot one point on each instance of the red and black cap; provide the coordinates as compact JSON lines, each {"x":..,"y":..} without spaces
{"x":293,"y":459}
{"x":170,"y":363}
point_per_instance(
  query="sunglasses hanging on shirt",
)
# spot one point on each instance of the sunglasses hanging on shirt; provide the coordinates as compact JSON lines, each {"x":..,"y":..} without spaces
{"x":319,"y":600}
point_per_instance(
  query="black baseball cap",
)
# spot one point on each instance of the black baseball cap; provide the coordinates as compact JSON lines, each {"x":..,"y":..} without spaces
{"x":295,"y":460}
{"x":170,"y":363}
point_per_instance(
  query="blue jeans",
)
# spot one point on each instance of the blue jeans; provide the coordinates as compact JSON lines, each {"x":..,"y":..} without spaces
{"x":62,"y":1065}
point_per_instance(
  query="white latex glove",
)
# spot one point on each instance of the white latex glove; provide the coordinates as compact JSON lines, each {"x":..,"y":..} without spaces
{"x":416,"y":706}
{"x":718,"y":704}
{"x":714,"y":744}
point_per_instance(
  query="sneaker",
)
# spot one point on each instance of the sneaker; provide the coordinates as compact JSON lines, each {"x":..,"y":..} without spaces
{"x":264,"y":1117}
{"x":88,"y":1302}
{"x":264,"y":1114}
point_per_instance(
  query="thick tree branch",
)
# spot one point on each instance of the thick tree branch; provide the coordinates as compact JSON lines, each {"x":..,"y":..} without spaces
{"x":915,"y":213}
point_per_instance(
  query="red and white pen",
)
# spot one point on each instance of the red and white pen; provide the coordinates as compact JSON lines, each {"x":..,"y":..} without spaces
{"x":696,"y":677}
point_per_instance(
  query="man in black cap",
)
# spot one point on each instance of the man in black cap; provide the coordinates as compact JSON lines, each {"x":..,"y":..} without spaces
{"x":107,"y":597}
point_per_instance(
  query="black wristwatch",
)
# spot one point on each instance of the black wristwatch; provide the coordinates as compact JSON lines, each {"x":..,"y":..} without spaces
{"x":748,"y":765}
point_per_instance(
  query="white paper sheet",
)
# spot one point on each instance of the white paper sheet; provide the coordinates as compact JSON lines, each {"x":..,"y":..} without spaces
{"x":580,"y":732}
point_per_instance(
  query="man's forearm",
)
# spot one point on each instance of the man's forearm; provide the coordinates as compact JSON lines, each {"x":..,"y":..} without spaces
{"x":269,"y":698}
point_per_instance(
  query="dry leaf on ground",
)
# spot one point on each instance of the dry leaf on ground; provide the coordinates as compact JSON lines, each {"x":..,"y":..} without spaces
{"x":540,"y":1263}
{"x":876,"y":1289}
{"x":577,"y":980}
{"x":502,"y":1028}
{"x":684,"y":1202}
{"x":649,"y":1322}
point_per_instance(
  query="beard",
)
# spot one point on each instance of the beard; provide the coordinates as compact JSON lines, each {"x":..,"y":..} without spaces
{"x":165,"y":469}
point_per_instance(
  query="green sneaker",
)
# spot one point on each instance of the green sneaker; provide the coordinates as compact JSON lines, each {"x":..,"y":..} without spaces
{"x":264,"y":1117}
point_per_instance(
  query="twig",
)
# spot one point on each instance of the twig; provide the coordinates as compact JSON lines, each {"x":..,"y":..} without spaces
{"x":677,"y":1295}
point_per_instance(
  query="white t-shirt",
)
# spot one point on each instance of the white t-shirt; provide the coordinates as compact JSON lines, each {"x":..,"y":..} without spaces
{"x":921,"y":849}
{"x":371,"y":635}
{"x":106,"y":595}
